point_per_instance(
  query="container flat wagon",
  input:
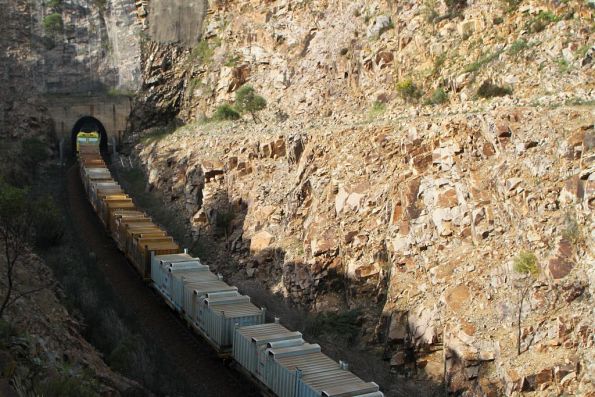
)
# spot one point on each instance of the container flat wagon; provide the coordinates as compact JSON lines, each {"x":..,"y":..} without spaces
{"x":277,"y":359}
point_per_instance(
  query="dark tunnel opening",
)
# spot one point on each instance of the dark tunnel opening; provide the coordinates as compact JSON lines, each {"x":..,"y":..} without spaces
{"x":89,"y":124}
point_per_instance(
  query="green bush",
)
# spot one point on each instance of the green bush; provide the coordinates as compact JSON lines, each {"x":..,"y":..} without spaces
{"x":53,"y":23}
{"x":55,"y":3}
{"x":518,"y":47}
{"x":408,"y":90}
{"x":342,"y":326}
{"x":66,"y":386}
{"x":33,"y":152}
{"x":526,"y":263}
{"x":203,"y":52}
{"x":484,"y":60}
{"x":438,"y":97}
{"x":378,"y":108}
{"x":48,"y":223}
{"x":541,"y":21}
{"x":226,"y":112}
{"x":490,"y":90}
{"x":248,"y":101}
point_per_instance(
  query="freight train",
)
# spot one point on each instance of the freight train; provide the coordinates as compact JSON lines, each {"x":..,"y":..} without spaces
{"x":278,"y":360}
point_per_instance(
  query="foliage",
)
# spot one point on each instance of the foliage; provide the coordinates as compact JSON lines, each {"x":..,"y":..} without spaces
{"x":518,"y":47}
{"x":408,"y":90}
{"x":572,"y":230}
{"x":203,"y":52}
{"x":66,"y":386}
{"x":489,"y":90}
{"x":563,"y":65}
{"x":484,"y":60}
{"x":511,"y":5}
{"x":455,"y":7}
{"x":541,"y":21}
{"x":438,"y":97}
{"x":232,"y":60}
{"x":226,"y":112}
{"x":55,"y":3}
{"x":48,"y":224}
{"x":33,"y":152}
{"x":248,"y":101}
{"x":438,"y":63}
{"x":53,"y":23}
{"x":526,"y":263}
{"x":378,"y":108}
{"x":15,"y":232}
{"x":158,"y":133}
{"x":343,"y":325}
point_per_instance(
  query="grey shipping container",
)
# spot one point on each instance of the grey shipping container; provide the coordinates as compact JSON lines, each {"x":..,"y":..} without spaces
{"x":221,"y":314}
{"x":250,"y":344}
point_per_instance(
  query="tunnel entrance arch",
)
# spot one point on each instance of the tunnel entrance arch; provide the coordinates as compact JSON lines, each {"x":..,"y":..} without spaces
{"x":89,"y":124}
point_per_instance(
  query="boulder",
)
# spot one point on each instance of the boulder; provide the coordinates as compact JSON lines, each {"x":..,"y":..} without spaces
{"x":261,"y":240}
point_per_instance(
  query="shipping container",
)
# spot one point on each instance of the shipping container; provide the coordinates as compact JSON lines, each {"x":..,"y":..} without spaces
{"x":157,"y":261}
{"x":221,"y":314}
{"x":122,"y":216}
{"x":129,"y":230}
{"x":250,"y":344}
{"x":196,"y":291}
{"x":281,"y":364}
{"x":95,"y":174}
{"x":173,"y":276}
{"x":107,"y":209}
{"x":141,"y":255}
{"x":304,"y":371}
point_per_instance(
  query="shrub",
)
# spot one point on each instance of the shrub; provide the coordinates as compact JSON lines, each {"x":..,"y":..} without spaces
{"x":343,"y":325}
{"x":572,"y":230}
{"x":47,"y":223}
{"x":55,"y":3}
{"x":475,"y":66}
{"x":438,"y":97}
{"x":526,"y":263}
{"x":202,"y":52}
{"x":33,"y":152}
{"x":248,"y":101}
{"x":378,"y":108}
{"x":490,"y":90}
{"x":226,"y":112}
{"x":518,"y":47}
{"x":408,"y":90}
{"x":541,"y":21}
{"x":455,"y":7}
{"x":66,"y":386}
{"x":53,"y":23}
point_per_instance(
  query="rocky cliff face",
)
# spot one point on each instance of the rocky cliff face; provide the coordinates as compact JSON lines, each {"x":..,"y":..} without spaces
{"x":382,"y":179}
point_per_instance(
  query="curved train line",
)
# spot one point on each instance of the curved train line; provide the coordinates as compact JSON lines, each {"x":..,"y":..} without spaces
{"x":277,"y":359}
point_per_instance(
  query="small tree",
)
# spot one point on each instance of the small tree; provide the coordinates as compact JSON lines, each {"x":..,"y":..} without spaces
{"x":525,"y":264}
{"x":17,"y":220}
{"x":248,"y":101}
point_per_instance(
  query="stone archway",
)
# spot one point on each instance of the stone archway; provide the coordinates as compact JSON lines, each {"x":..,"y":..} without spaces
{"x":88,"y":124}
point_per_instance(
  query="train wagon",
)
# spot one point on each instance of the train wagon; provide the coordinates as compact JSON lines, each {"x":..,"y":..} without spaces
{"x":250,"y":345}
{"x":144,"y":248}
{"x":119,"y":217}
{"x":222,"y":313}
{"x":108,"y":207}
{"x":87,"y":141}
{"x":90,"y":175}
{"x":128,"y":230}
{"x":196,"y":291}
{"x":276,"y":358}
